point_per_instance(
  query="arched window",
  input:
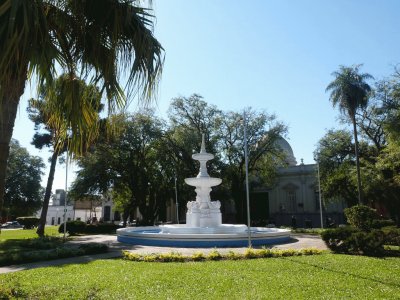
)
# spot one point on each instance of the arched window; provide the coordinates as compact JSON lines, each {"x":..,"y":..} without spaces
{"x":291,"y":200}
{"x":291,"y":196}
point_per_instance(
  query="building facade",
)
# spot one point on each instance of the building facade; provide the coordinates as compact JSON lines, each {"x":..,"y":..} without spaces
{"x":293,"y":200}
{"x":86,"y":210}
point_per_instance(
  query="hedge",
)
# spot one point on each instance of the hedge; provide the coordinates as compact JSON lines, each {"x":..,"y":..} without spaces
{"x":351,"y":240}
{"x":28,"y":222}
{"x":79,"y":227}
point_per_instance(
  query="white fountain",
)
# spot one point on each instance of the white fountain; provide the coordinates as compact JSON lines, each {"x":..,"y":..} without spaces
{"x":203,"y":226}
{"x":203,"y":212}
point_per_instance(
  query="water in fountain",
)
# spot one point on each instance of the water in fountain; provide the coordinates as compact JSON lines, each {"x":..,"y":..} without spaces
{"x":203,"y":226}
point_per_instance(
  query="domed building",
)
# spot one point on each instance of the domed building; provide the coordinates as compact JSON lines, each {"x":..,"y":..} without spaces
{"x":287,"y":150}
{"x":294,"y":196}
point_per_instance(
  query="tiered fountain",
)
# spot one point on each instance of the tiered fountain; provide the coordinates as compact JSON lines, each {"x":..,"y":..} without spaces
{"x":203,"y":226}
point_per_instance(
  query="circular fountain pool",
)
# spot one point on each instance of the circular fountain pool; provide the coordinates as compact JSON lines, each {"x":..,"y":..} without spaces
{"x":225,"y":235}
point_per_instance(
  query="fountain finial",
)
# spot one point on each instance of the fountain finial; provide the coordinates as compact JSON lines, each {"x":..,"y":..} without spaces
{"x":203,"y":144}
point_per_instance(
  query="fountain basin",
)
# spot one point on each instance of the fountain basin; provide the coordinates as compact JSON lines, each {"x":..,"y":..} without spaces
{"x":203,"y":181}
{"x":226,"y":235}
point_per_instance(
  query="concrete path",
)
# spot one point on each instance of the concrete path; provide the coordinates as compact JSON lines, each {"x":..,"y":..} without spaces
{"x":298,"y":241}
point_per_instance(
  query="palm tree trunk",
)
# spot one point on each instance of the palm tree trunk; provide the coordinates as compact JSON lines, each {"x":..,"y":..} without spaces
{"x":8,"y":111}
{"x":360,"y":200}
{"x":46,"y":200}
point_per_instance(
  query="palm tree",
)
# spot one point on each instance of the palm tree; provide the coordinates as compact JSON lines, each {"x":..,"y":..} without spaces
{"x":100,"y":40}
{"x":350,"y":92}
{"x":47,"y":113}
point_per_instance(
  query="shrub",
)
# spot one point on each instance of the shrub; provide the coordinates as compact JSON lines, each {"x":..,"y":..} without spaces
{"x":68,"y":252}
{"x":214,"y":255}
{"x":170,"y":257}
{"x":233,"y":255}
{"x":150,"y":258}
{"x":368,"y":243}
{"x":309,"y":251}
{"x":73,"y":227}
{"x":131,"y":256}
{"x":100,"y":228}
{"x":28,"y":222}
{"x":289,"y":252}
{"x":44,"y":243}
{"x":361,"y":216}
{"x":354,"y":241}
{"x":198,"y":256}
{"x":265,"y":252}
{"x":380,"y":223}
{"x":76,"y":227}
{"x":314,"y":231}
{"x":392,"y":236}
{"x":336,"y":238}
{"x":250,"y":253}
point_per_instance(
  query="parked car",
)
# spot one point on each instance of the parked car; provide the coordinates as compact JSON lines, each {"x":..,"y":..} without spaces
{"x":11,"y":224}
{"x":128,"y":224}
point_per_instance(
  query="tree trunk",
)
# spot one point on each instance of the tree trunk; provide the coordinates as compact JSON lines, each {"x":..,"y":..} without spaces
{"x":8,"y":111}
{"x":360,"y":200}
{"x":46,"y":200}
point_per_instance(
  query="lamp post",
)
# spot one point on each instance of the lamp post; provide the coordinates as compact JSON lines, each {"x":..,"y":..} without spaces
{"x":320,"y":196}
{"x":247,"y":178}
{"x":65,"y":198}
{"x":176,"y":201}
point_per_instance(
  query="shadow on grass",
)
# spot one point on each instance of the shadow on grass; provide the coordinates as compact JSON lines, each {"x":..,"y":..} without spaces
{"x":324,"y":268}
{"x":27,"y":251}
{"x":15,"y":245}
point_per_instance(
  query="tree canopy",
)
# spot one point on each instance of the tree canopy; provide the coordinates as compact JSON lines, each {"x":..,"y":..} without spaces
{"x":53,"y":129}
{"x":24,"y":193}
{"x":350,"y":91}
{"x":379,"y":153}
{"x":143,"y":162}
{"x":101,"y":41}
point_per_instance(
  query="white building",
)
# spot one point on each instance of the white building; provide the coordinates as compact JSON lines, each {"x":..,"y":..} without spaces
{"x":86,"y":210}
{"x":294,"y":196}
{"x":55,"y":211}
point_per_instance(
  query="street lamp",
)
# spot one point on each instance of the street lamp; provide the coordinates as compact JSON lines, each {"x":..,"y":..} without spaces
{"x":247,"y":178}
{"x":176,"y":201}
{"x":319,"y":194}
{"x":65,"y":198}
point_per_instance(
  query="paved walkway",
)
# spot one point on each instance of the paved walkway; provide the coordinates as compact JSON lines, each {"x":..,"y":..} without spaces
{"x":298,"y":241}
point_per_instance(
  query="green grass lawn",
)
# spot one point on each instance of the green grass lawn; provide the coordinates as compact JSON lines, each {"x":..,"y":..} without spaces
{"x":326,"y":276}
{"x":11,"y":234}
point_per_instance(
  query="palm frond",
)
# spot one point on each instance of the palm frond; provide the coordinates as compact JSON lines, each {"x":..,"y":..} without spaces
{"x":349,"y":89}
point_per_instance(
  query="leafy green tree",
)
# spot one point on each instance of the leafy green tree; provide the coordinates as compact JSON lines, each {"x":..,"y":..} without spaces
{"x":388,"y":161}
{"x":52,"y":127}
{"x":23,"y":194}
{"x":144,"y":161}
{"x":263,"y":131}
{"x":350,"y":92}
{"x":132,"y":165}
{"x":100,"y":40}
{"x":336,"y":157}
{"x":189,"y":118}
{"x":335,"y":154}
{"x":192,"y":116}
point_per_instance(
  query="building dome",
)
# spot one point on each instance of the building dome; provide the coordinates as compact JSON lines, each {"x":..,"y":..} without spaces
{"x":287,"y":149}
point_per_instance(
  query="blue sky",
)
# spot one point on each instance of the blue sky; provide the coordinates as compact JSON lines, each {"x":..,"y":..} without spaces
{"x":276,"y":56}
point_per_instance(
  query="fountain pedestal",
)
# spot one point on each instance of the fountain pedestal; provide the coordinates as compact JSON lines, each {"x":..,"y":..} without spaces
{"x":203,"y":212}
{"x":206,"y":217}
